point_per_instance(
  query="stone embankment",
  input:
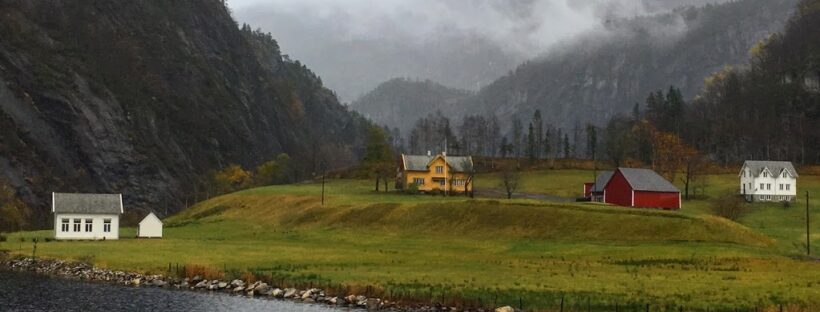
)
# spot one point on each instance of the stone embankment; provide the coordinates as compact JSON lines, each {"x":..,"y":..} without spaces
{"x":86,"y":272}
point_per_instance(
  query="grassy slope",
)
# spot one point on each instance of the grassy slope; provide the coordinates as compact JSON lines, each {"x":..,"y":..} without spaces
{"x":480,"y":247}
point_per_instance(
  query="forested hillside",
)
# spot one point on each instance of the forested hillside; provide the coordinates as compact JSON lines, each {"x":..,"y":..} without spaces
{"x":148,"y":98}
{"x":770,"y":109}
{"x":604,"y":73}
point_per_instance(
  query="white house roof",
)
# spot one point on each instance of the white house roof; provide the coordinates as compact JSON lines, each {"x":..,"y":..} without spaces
{"x":775,"y":167}
{"x":422,"y":162}
{"x":151,"y":217}
{"x":86,"y":203}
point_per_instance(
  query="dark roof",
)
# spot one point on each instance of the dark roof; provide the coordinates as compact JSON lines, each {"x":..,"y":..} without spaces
{"x":601,"y":181}
{"x":420,"y":162}
{"x":87,"y":203}
{"x":647,"y":180}
{"x":775,"y":167}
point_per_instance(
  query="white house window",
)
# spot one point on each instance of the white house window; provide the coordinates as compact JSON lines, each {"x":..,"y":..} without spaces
{"x":418,"y":181}
{"x":788,"y":187}
{"x":77,"y":225}
{"x":64,"y":226}
{"x":768,"y":186}
{"x":781,"y":186}
{"x":89,"y":225}
{"x":765,"y":174}
{"x":107,"y":225}
{"x":762,"y":186}
{"x":439,"y":169}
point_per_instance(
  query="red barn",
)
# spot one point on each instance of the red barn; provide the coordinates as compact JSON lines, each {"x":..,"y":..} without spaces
{"x":643,"y":188}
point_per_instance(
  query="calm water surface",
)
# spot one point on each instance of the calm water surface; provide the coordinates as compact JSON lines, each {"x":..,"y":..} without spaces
{"x":27,"y":292}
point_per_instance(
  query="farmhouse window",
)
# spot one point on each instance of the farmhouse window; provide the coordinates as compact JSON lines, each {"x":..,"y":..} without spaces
{"x":441,"y":182}
{"x":88,"y":225}
{"x":64,"y":226}
{"x":439,"y":169}
{"x":77,"y":225}
{"x":765,"y":174}
{"x":788,"y":187}
{"x":768,"y":186}
{"x":107,"y":225}
{"x":762,"y":186}
{"x":781,"y":186}
{"x":418,"y":181}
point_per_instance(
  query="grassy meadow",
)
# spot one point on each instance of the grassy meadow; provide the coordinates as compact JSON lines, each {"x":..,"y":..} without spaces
{"x":483,"y":251}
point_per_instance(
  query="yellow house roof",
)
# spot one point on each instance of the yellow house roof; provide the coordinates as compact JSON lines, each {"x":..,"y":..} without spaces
{"x":422,"y":162}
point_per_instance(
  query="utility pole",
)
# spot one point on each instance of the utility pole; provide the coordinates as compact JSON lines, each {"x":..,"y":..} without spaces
{"x":324,"y":172}
{"x":808,"y":234}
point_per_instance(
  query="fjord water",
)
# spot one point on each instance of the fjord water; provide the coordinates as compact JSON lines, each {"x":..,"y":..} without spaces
{"x":27,"y":292}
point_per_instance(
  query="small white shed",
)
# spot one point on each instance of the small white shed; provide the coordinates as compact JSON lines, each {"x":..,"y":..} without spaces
{"x":150,"y":227}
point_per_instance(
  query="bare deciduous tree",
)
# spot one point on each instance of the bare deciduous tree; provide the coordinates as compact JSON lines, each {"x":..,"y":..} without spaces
{"x":510,"y":179}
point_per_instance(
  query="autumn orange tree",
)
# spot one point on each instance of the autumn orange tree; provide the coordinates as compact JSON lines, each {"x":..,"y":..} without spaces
{"x":670,"y":156}
{"x":232,"y":178}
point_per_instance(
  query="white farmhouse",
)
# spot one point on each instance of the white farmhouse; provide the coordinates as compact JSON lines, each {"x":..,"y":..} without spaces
{"x":768,"y":181}
{"x":86,"y":216}
{"x":150,"y":227}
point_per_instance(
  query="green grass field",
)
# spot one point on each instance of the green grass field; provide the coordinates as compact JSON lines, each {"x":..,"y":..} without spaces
{"x":484,"y":250}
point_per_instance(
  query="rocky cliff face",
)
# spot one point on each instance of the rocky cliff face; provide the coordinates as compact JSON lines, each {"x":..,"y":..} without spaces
{"x":606,"y":73}
{"x":145,"y":98}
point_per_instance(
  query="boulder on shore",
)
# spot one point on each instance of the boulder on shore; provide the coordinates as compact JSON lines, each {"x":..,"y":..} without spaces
{"x":278,"y":293}
{"x":290,"y":292}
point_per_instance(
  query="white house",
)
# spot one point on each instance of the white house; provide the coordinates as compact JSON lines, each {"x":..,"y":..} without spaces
{"x":150,"y":227}
{"x":768,"y":181}
{"x":86,"y":216}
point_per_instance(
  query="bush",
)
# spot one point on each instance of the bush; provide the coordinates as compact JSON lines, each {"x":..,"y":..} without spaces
{"x":412,"y":189}
{"x":730,"y":206}
{"x":3,"y":238}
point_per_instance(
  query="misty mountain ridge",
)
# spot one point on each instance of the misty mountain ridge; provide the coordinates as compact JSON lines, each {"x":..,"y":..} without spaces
{"x":356,"y":45}
{"x":604,"y":72}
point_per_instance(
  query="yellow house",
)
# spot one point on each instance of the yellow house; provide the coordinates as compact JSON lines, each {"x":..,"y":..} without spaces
{"x":430,"y":173}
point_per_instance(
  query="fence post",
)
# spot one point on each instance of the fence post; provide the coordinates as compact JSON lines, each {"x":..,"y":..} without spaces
{"x":562,"y":303}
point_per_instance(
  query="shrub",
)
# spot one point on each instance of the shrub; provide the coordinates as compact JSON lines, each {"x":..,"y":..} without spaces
{"x":2,"y":238}
{"x":412,"y":189}
{"x":730,"y":206}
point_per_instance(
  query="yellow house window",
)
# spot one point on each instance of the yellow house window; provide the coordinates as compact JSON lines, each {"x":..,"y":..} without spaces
{"x":439,"y":169}
{"x":418,"y":181}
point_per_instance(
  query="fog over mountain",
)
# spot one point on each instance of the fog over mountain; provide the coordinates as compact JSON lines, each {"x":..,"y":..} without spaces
{"x":356,"y":44}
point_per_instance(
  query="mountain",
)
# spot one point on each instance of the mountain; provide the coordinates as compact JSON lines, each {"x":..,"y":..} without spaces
{"x":145,"y":98}
{"x":605,"y":73}
{"x":400,"y":102}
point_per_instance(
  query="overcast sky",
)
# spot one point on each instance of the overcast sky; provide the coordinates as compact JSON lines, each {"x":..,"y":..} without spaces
{"x":524,"y":26}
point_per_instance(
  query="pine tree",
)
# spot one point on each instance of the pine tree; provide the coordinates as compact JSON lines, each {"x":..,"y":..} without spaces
{"x":539,"y":132}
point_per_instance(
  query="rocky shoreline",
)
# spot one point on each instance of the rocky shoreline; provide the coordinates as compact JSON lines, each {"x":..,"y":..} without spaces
{"x":85,"y":272}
